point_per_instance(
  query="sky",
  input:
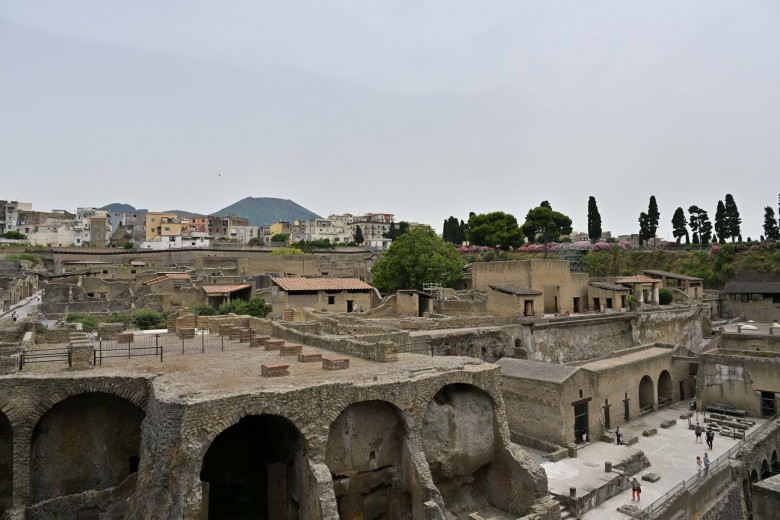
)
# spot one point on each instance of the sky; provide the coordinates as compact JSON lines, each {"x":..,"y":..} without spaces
{"x":424,"y":109}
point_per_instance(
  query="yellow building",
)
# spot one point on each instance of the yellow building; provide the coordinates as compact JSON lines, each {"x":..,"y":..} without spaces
{"x":162,"y":225}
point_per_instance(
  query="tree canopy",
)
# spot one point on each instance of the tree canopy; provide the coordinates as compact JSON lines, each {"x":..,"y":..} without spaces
{"x":653,"y":216}
{"x":771,"y":229}
{"x":594,"y":220}
{"x":733,"y":220}
{"x":700,"y":225}
{"x":453,"y":231}
{"x":679,"y":228}
{"x":358,"y":235}
{"x":417,"y":257}
{"x":544,"y":221}
{"x":494,"y":229}
{"x":721,"y":226}
{"x":395,"y":232}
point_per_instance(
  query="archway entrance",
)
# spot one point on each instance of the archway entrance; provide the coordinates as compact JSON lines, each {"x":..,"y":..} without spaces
{"x":459,"y":442}
{"x":765,"y":472}
{"x":664,"y":389}
{"x":366,"y":457}
{"x":88,"y":441}
{"x":646,"y":395}
{"x":6,"y":464}
{"x":255,"y":469}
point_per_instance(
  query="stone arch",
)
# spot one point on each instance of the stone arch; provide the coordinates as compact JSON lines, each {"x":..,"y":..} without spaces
{"x":775,"y":464}
{"x":6,"y":463}
{"x":86,"y":441}
{"x":258,"y":468}
{"x":460,"y":439}
{"x":330,"y":416}
{"x":765,"y":471}
{"x":463,"y":379}
{"x":753,"y":476}
{"x":665,"y":387}
{"x":646,"y":392}
{"x":368,"y":457}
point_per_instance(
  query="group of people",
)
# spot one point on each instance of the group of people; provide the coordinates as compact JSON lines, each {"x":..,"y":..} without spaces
{"x":703,"y":464}
{"x":709,"y":436}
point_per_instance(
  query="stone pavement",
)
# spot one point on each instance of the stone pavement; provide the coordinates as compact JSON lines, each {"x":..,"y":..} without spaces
{"x":672,"y":454}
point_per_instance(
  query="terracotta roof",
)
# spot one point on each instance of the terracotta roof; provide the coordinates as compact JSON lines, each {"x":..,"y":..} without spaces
{"x":673,"y":276}
{"x":219,"y":289}
{"x":637,"y":278}
{"x":321,"y":284}
{"x":514,"y":289}
{"x":607,"y":286}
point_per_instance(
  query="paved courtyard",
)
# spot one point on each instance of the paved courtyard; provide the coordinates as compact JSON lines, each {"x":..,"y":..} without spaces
{"x":672,"y":454}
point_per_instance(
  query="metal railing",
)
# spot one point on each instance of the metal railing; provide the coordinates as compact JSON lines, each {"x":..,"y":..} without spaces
{"x":45,"y":355}
{"x":723,"y":459}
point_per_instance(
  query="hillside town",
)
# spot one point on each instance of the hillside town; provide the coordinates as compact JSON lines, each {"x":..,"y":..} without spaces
{"x":533,"y":383}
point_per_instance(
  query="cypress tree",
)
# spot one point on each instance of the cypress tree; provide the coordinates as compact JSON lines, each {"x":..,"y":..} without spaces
{"x":594,"y":220}
{"x":679,"y":228}
{"x":653,"y":215}
{"x":732,"y":218}
{"x":721,"y":226}
{"x":359,"y":235}
{"x":771,"y":230}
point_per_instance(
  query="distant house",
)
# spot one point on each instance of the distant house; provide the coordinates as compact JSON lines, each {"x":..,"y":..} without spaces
{"x":603,"y":296}
{"x":692,"y":286}
{"x":758,"y":301}
{"x":216,"y":295}
{"x":324,"y":294}
{"x":512,"y":300}
{"x":643,"y":287}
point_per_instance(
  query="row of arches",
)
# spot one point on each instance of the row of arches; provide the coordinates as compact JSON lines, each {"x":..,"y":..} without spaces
{"x":86,"y":441}
{"x":647,"y":397}
{"x":257,"y":468}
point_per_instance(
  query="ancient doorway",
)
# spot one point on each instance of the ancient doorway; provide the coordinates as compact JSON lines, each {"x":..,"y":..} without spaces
{"x":88,"y":441}
{"x":528,"y":308}
{"x":460,"y":443}
{"x":580,"y":420}
{"x":765,"y":472}
{"x":768,"y":408}
{"x":626,"y":414}
{"x":576,"y":305}
{"x":366,"y":455}
{"x":606,"y":414}
{"x":6,"y":464}
{"x":255,"y":470}
{"x":597,"y":304}
{"x":350,"y":305}
{"x":775,"y":465}
{"x":646,"y":394}
{"x":682,"y":390}
{"x":551,"y":295}
{"x":664,"y":388}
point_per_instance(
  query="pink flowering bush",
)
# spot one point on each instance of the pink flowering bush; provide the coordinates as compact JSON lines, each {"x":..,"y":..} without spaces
{"x":715,"y":248}
{"x":600,"y":246}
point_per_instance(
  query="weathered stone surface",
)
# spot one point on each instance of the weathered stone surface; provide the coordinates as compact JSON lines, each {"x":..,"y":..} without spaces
{"x":648,"y":432}
{"x":274,"y":369}
{"x":309,"y":357}
{"x":335,"y":362}
{"x":651,"y":477}
{"x":668,"y":424}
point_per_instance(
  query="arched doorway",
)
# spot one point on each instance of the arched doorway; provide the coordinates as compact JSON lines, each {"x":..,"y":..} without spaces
{"x":753,"y":476}
{"x":765,"y":472}
{"x":88,"y":441}
{"x":256,"y":469}
{"x":664,"y":388}
{"x":646,"y":395}
{"x":775,"y":464}
{"x":6,"y":464}
{"x":367,"y":461}
{"x":459,"y":442}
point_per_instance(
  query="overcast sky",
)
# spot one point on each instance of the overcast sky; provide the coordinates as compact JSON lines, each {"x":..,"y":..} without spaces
{"x":424,"y":109}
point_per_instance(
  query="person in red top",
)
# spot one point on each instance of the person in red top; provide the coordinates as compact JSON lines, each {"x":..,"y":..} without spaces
{"x":636,"y":489}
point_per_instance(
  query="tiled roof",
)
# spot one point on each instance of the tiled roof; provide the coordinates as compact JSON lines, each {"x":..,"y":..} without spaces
{"x":514,"y":289}
{"x":673,"y":276}
{"x":321,"y":284}
{"x":607,"y":286}
{"x":219,"y":289}
{"x":168,"y":276}
{"x":637,"y":278}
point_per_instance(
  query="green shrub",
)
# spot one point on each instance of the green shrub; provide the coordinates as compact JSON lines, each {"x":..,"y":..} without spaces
{"x":203,"y":309}
{"x":487,"y":256}
{"x":633,"y":298}
{"x":119,"y":318}
{"x":255,"y":307}
{"x":87,"y":321}
{"x":146,"y":319}
{"x":33,"y":259}
{"x":13,"y":235}
{"x":665,"y":296}
{"x":286,"y":251}
{"x":128,"y":245}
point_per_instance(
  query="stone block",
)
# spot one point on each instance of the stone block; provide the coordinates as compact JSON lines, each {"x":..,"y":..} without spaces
{"x":125,"y":337}
{"x":109,"y":330}
{"x":274,"y":369}
{"x":628,"y":441}
{"x":274,"y":344}
{"x":686,"y":415}
{"x":235,"y":333}
{"x":224,"y":330}
{"x":648,"y":432}
{"x":257,"y":340}
{"x":651,"y":477}
{"x":244,"y":335}
{"x":335,"y":363}
{"x":669,"y":423}
{"x":81,"y":356}
{"x":309,"y":357}
{"x":290,"y":349}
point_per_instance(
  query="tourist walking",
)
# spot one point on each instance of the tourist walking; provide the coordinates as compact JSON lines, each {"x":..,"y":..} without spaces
{"x":636,"y":489}
{"x":706,"y":463}
{"x":709,"y":436}
{"x":15,"y":316}
{"x":698,"y":465}
{"x":619,"y":435}
{"x":698,"y":433}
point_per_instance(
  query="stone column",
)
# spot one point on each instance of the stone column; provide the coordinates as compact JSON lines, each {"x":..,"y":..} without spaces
{"x":655,"y":294}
